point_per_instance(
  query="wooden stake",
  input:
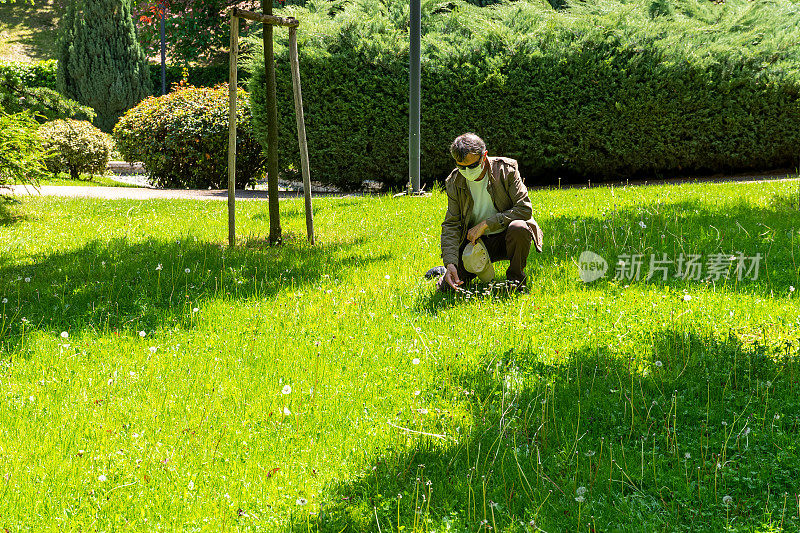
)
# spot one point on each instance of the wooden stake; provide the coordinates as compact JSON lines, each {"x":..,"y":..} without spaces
{"x":234,"y":52}
{"x":301,"y":130}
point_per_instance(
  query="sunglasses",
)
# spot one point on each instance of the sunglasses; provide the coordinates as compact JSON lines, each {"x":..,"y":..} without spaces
{"x":473,"y":165}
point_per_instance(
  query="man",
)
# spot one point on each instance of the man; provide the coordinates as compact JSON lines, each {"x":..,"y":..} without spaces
{"x":486,"y":203}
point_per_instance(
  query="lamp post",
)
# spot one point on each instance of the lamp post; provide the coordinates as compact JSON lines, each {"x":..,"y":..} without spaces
{"x":163,"y":51}
{"x":414,"y":91}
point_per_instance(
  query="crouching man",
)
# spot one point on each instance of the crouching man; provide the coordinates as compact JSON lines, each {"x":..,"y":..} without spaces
{"x":489,"y":209}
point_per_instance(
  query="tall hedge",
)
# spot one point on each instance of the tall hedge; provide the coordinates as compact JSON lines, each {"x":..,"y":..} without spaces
{"x":100,"y":62}
{"x":600,"y":89}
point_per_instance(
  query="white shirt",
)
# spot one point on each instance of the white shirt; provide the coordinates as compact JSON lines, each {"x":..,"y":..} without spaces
{"x":483,"y":206}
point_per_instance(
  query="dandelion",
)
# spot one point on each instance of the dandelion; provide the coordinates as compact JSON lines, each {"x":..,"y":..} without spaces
{"x":415,"y":361}
{"x":159,"y":267}
{"x":153,"y":349}
{"x":659,"y":364}
{"x":687,"y":297}
{"x":32,"y":399}
{"x":423,"y":411}
{"x":727,"y":499}
{"x":27,"y":280}
{"x":416,"y":393}
{"x":768,"y":384}
{"x":5,"y":300}
{"x":580,"y":499}
{"x":687,"y":455}
{"x":142,"y":334}
{"x":301,"y":502}
{"x":286,"y":389}
{"x":580,"y":491}
{"x":64,"y":335}
{"x":724,"y":423}
{"x":132,"y":374}
{"x":642,"y":224}
{"x":110,"y":381}
{"x":791,"y":288}
{"x":195,"y":309}
{"x":286,"y":411}
{"x":746,"y":431}
{"x":590,"y":453}
{"x":102,"y":478}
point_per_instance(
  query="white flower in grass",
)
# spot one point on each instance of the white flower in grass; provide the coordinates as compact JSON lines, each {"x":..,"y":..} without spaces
{"x":423,"y":411}
{"x":687,"y":455}
{"x":687,"y":297}
{"x":727,"y":499}
{"x":191,"y":485}
{"x":642,"y":224}
{"x":286,"y":389}
{"x":64,"y":335}
{"x":791,"y":288}
{"x":142,"y":334}
{"x":580,"y":499}
{"x":286,"y":411}
{"x":187,"y":270}
{"x":301,"y":502}
{"x":196,"y":309}
{"x":387,"y":276}
{"x":416,"y":393}
{"x":659,"y":364}
{"x":159,"y":267}
{"x":102,"y":478}
{"x":153,"y":349}
{"x":5,"y":300}
{"x":580,"y":491}
{"x":32,"y":399}
{"x":590,"y":453}
{"x":746,"y":431}
{"x":415,"y":361}
{"x":27,"y":280}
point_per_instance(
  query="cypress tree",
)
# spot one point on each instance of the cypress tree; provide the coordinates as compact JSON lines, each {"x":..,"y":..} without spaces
{"x":100,"y":62}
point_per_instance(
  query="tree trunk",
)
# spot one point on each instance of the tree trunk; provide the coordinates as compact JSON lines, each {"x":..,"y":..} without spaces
{"x":275,"y":234}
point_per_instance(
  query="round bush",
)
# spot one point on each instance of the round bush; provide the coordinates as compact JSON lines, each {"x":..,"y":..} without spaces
{"x":181,"y":138}
{"x":75,"y":145}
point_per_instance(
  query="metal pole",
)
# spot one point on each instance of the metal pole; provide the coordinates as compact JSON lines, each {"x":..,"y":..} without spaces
{"x":232,"y":130}
{"x":414,"y":91}
{"x":301,"y":131}
{"x":275,"y":236}
{"x":163,"y":52}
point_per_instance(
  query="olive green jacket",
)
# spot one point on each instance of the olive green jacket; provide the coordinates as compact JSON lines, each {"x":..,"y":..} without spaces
{"x":510,"y":198}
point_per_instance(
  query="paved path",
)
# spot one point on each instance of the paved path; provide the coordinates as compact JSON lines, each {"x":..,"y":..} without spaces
{"x":136,"y":193}
{"x":222,"y":194}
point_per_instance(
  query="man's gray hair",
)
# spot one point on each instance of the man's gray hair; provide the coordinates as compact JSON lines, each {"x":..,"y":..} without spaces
{"x":466,"y":144}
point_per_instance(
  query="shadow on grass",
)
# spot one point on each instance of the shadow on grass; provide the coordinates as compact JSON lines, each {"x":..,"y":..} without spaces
{"x":118,"y":285}
{"x":643,"y":435}
{"x":40,"y":21}
{"x":8,"y":216}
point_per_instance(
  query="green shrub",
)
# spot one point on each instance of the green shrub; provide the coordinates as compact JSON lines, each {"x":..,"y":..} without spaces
{"x":182,"y":138}
{"x":21,"y":151}
{"x":75,"y":146}
{"x":100,"y":62}
{"x":601,"y":89}
{"x":198,"y":76}
{"x":39,"y":74}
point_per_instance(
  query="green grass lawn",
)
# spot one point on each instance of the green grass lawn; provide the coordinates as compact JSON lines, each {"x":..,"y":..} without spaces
{"x":28,"y":30}
{"x":155,"y":379}
{"x":85,"y":181}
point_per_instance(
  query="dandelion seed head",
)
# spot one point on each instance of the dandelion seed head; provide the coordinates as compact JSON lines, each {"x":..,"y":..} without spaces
{"x":187,"y":270}
{"x":159,"y":267}
{"x":286,"y":389}
{"x":153,"y":349}
{"x":191,"y":485}
{"x":142,"y":333}
{"x":286,"y":411}
{"x":580,"y":491}
{"x":580,"y":499}
{"x":64,"y":335}
{"x":195,"y":309}
{"x":687,"y":297}
{"x":659,"y":364}
{"x":415,"y":361}
{"x":301,"y":502}
{"x":102,"y":478}
{"x":5,"y":300}
{"x":687,"y":455}
{"x":727,"y":499}
{"x":27,"y":280}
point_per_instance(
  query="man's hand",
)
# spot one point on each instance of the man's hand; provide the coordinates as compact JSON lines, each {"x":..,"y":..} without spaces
{"x":451,"y":277}
{"x":476,"y":231}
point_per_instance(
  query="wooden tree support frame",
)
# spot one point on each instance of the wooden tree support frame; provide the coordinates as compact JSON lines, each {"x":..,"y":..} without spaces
{"x":292,"y":24}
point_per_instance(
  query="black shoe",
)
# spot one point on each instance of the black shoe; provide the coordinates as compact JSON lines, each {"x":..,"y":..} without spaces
{"x":435,"y":272}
